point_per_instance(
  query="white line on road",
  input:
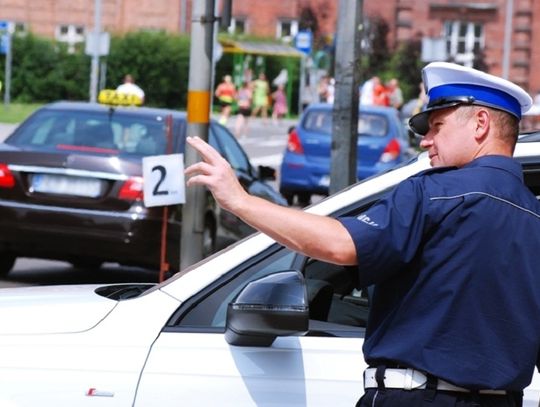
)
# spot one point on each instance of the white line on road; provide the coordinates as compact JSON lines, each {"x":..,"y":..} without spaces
{"x":273,"y":160}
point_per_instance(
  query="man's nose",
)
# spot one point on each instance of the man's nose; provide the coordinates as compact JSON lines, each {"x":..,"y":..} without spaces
{"x":426,"y":141}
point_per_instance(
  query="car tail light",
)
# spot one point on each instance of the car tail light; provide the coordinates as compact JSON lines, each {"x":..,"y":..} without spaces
{"x":293,"y":144}
{"x":132,"y":190}
{"x":6,"y":177}
{"x":391,"y":152}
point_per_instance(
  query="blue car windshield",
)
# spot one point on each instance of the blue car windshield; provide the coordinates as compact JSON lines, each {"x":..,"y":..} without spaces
{"x":369,"y":124}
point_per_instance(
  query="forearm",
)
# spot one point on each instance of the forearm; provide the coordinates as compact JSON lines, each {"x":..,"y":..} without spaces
{"x":316,"y":236}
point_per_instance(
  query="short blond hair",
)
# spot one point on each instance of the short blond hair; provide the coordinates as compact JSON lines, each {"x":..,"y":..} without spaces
{"x":506,"y":124}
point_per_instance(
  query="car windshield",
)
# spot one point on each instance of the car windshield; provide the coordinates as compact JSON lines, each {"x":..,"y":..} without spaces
{"x":369,"y":124}
{"x":101,"y":132}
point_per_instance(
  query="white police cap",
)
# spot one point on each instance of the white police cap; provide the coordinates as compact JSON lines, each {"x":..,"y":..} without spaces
{"x":449,"y":84}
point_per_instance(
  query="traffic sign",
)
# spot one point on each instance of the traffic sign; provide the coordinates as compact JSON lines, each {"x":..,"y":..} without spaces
{"x":303,"y":41}
{"x":4,"y":43}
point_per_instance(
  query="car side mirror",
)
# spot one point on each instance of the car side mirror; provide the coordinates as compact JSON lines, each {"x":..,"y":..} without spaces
{"x":267,"y":173}
{"x":272,"y":306}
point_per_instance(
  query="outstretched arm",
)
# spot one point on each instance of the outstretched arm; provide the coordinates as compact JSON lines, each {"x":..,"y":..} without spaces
{"x":316,"y":236}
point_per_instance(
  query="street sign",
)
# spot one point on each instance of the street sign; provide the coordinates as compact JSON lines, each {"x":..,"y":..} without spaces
{"x":163,"y":179}
{"x":303,"y":41}
{"x":100,"y":43}
{"x":4,"y":43}
{"x":4,"y":37}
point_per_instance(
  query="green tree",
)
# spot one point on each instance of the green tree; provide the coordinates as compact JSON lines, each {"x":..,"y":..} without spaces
{"x":406,"y":65}
{"x":159,"y":63}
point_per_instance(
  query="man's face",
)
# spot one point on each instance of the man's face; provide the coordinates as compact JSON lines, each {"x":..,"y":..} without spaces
{"x":448,"y":140}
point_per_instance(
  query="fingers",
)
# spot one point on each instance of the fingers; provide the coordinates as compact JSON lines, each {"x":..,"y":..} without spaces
{"x":207,"y":152}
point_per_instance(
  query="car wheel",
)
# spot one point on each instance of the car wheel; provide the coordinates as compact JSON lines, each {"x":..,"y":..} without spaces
{"x":209,"y":237}
{"x":304,"y":199}
{"x":87,"y":264}
{"x":7,"y":260}
{"x":289,"y":197}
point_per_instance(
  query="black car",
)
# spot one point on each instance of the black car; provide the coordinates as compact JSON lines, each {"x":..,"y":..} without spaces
{"x":71,"y":186}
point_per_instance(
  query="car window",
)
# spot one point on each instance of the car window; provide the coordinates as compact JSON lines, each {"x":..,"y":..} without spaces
{"x":226,"y":144}
{"x":209,"y":309}
{"x":372,"y":125}
{"x":91,"y":131}
{"x":369,"y":124}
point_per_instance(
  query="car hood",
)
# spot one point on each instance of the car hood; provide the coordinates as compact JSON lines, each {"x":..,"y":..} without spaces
{"x":51,"y":309}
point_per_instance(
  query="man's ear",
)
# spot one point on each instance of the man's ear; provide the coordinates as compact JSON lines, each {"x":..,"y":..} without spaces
{"x":483,"y":119}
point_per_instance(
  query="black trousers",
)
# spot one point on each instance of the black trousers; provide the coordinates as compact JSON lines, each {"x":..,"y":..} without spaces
{"x":435,"y":398}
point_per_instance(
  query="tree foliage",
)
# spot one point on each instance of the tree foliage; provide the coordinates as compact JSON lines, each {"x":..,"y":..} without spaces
{"x":43,"y":70}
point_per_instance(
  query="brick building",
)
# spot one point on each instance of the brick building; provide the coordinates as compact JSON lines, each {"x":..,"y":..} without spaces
{"x":466,"y":29}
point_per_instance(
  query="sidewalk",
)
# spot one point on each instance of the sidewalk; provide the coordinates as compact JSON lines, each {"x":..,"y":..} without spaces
{"x":6,"y":129}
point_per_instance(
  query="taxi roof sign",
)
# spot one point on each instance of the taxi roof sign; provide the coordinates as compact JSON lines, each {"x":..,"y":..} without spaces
{"x":114,"y":98}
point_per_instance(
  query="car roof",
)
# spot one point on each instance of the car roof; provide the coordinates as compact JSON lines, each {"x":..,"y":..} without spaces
{"x":363,"y":108}
{"x":97,"y":107}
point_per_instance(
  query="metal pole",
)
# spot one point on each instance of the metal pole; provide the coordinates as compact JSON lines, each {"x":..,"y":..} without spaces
{"x":183,"y":17}
{"x":9,"y":53}
{"x":507,"y":38}
{"x":94,"y":70}
{"x":345,"y":112}
{"x":198,"y":118}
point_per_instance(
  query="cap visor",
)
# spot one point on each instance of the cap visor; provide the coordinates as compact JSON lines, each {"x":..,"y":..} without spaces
{"x":419,"y":123}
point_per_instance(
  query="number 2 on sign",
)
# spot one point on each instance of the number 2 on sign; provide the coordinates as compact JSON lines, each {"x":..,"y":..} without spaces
{"x":163,"y":178}
{"x":162,"y":173}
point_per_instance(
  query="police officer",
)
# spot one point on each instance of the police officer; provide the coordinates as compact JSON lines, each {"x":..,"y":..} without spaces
{"x":455,"y":315}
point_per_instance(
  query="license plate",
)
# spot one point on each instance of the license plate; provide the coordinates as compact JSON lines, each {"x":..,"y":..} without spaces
{"x":66,"y":185}
{"x":324,"y":181}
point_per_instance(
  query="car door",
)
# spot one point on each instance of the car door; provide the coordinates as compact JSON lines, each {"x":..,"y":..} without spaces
{"x":191,"y":364}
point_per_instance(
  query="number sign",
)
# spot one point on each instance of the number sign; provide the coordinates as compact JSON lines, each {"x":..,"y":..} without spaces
{"x":163,"y":177}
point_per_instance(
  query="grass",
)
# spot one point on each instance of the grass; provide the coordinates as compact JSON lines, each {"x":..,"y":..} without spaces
{"x":16,"y":112}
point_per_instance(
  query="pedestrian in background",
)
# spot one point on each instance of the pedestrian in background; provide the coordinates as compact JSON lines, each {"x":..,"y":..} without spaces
{"x":226,"y":94}
{"x":279,"y":107}
{"x":244,"y":98}
{"x":452,"y":321}
{"x":395,"y":95}
{"x":129,"y":87}
{"x":261,"y":90}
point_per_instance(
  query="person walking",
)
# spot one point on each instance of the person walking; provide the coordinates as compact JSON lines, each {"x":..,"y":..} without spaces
{"x":226,"y":94}
{"x":455,"y":315}
{"x":244,"y":100}
{"x":279,"y":107}
{"x":261,"y":90}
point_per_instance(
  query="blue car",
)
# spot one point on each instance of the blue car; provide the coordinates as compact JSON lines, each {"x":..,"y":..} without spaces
{"x":382,"y":143}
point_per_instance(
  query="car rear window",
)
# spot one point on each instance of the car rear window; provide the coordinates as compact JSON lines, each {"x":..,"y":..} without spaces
{"x":369,"y":124}
{"x":93,"y":131}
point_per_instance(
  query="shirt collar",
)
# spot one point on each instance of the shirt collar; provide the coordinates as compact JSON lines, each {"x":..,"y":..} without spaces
{"x":501,"y":162}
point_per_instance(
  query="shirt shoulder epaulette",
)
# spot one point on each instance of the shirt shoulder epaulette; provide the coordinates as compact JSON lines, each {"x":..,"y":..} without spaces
{"x":435,"y":170}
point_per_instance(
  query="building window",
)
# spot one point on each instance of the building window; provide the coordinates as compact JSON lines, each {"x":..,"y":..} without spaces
{"x":238,"y":26}
{"x":464,"y":41}
{"x":70,"y":34}
{"x":20,"y":28}
{"x":287,"y":29}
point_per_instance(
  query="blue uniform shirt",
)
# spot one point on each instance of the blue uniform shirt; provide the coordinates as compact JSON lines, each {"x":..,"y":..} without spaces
{"x":455,"y":256}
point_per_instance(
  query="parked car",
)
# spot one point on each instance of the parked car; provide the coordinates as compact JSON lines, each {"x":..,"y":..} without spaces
{"x":254,"y":325}
{"x":305,"y":170}
{"x":71,"y":186}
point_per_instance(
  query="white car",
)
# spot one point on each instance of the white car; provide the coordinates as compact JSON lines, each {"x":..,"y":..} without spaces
{"x":219,"y":333}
